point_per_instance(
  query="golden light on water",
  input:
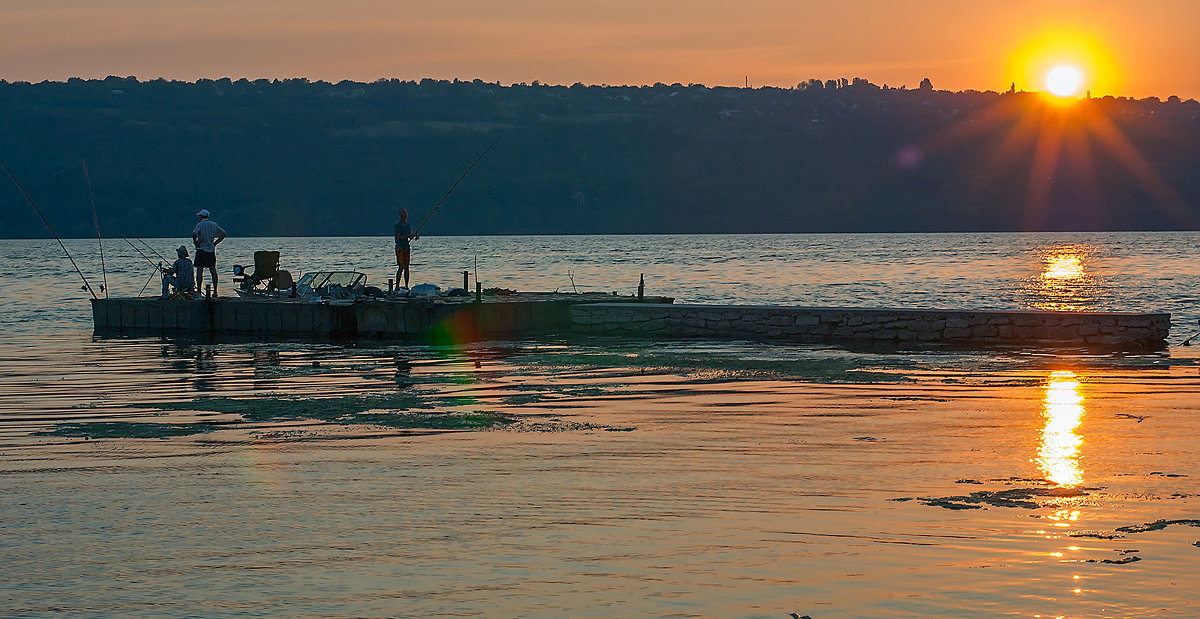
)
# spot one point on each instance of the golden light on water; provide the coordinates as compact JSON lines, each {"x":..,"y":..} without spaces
{"x":1063,"y":266}
{"x":1058,"y":451}
{"x":1064,"y":281}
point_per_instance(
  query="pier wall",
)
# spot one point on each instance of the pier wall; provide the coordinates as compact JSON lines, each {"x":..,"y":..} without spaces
{"x":339,"y":319}
{"x":905,"y":327}
{"x":464,"y":321}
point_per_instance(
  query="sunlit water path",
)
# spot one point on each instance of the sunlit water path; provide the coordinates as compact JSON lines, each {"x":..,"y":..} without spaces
{"x":613,"y":478}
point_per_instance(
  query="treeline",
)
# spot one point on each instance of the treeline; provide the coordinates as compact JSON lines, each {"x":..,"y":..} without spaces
{"x":293,"y":157}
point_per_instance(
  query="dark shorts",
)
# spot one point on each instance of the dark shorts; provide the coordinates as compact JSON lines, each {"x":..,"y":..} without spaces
{"x":402,"y":257}
{"x":206,"y":259}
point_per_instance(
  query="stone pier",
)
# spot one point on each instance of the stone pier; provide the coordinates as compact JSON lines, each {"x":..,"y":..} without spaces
{"x":900,"y":327}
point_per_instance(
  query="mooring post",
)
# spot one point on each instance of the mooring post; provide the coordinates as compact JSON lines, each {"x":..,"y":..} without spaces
{"x":478,"y":292}
{"x":642,"y":287}
{"x":207,"y":291}
{"x":466,"y":283}
{"x":390,"y":288}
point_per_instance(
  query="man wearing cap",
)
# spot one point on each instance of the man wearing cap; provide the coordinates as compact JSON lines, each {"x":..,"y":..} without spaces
{"x":206,"y":235}
{"x":404,"y":234}
{"x":179,"y":275}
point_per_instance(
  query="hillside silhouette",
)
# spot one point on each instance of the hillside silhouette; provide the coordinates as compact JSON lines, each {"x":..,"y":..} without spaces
{"x":293,"y":157}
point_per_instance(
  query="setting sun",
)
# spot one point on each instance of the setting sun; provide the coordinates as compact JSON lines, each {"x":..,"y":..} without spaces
{"x":1064,"y":63}
{"x":1064,"y":80}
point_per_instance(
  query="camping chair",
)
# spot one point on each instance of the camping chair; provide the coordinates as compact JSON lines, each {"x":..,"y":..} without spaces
{"x":266,"y":269}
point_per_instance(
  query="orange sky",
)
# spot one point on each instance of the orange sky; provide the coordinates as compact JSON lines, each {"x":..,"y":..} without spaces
{"x":1148,"y":46}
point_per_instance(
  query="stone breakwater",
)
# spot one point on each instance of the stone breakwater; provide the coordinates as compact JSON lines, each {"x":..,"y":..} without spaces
{"x":902,"y":327}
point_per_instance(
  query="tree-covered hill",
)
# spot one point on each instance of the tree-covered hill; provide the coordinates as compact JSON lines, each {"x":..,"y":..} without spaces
{"x":293,"y":157}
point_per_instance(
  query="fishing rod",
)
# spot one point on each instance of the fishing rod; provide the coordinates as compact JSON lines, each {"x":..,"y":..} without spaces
{"x":148,"y":280}
{"x":96,"y":221}
{"x":1188,"y":342}
{"x":154,"y":251}
{"x":86,"y":285}
{"x":464,"y":175}
{"x":135,"y":248}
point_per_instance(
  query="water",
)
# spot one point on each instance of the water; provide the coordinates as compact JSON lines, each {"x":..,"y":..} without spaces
{"x":624,"y":478}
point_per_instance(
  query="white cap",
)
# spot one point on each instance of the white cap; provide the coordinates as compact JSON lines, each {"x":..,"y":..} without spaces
{"x":203,"y":213}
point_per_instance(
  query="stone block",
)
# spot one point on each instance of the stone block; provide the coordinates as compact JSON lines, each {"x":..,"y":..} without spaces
{"x":806,"y":320}
{"x":781,"y":320}
{"x":984,"y":331}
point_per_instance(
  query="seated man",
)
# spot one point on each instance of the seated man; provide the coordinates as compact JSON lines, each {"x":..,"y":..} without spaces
{"x":181,"y":275}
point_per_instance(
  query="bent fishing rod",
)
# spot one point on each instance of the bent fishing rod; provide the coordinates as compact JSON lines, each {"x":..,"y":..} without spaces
{"x":86,"y":285}
{"x":96,"y":221}
{"x":464,"y":175}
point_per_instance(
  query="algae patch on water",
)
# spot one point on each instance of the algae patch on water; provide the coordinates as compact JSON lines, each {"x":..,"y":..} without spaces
{"x":127,"y":429}
{"x":320,"y":409}
{"x":408,"y":411}
{"x":1024,"y":498}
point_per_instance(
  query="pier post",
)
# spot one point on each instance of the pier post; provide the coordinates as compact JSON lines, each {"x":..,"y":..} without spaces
{"x":642,"y":287}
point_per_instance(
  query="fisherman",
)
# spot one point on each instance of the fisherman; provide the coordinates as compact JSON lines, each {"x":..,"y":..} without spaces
{"x":179,"y":275}
{"x":404,"y":234}
{"x":206,"y":235}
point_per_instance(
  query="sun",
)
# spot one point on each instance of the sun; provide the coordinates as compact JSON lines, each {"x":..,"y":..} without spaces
{"x":1064,"y":63}
{"x":1064,"y":80}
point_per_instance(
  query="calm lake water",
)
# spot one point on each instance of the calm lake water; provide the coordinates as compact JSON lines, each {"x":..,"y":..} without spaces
{"x":609,"y":478}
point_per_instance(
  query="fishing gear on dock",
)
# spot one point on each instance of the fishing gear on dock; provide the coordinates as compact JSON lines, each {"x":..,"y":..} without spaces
{"x":464,"y":175}
{"x":86,"y":286}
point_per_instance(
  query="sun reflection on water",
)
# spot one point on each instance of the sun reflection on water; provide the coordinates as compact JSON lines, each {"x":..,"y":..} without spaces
{"x":1064,"y":281}
{"x":1067,"y":266}
{"x":1058,"y":452}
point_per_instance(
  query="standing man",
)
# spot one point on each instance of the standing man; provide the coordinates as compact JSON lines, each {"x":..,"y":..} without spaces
{"x":206,"y":235}
{"x":404,"y":234}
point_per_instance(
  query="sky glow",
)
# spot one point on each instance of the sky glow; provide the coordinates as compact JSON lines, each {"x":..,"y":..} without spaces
{"x":1131,"y":48}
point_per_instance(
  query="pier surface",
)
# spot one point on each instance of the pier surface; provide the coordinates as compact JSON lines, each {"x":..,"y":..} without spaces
{"x":902,"y":327}
{"x":523,"y":314}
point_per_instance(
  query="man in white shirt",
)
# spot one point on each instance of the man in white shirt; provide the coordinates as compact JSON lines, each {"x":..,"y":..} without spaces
{"x":206,"y":235}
